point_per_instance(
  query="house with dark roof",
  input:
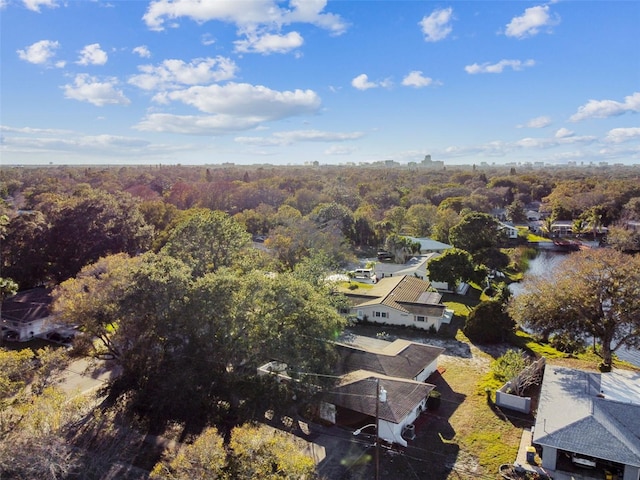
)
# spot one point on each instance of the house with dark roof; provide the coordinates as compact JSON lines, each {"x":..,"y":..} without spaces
{"x":590,"y":419}
{"x":384,"y":381}
{"x":26,"y":314}
{"x":401,"y":301}
{"x":380,"y":383}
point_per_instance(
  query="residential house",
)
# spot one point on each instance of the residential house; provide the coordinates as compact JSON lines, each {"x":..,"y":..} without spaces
{"x":510,"y":231}
{"x":26,"y":314}
{"x":429,"y":245}
{"x":401,"y":301}
{"x":398,"y":370}
{"x":590,"y":419}
{"x":381,"y":383}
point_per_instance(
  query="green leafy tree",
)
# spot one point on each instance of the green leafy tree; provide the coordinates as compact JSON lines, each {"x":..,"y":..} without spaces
{"x":421,"y":218}
{"x":23,"y":249}
{"x":446,"y":219}
{"x":453,"y":266}
{"x":206,"y":241}
{"x":595,"y":292}
{"x":92,"y":300}
{"x":396,"y":217}
{"x":515,"y":212}
{"x":401,"y":247}
{"x":489,"y":322}
{"x":298,"y":240}
{"x":92,"y":225}
{"x":474,"y":232}
{"x":334,"y":214}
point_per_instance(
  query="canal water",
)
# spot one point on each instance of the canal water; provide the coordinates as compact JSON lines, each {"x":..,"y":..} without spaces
{"x":544,"y":264}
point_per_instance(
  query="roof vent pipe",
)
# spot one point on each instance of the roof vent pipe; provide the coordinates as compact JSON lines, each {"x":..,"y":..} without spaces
{"x":383,"y":395}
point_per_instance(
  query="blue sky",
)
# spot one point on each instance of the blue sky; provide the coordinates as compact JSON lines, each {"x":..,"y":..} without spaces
{"x":297,"y":81}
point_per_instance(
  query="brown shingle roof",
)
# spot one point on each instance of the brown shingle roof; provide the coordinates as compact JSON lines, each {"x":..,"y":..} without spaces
{"x":407,"y":294}
{"x":407,"y":361}
{"x":357,"y":392}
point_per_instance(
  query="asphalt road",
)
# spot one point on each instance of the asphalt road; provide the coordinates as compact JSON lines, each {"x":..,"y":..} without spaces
{"x":86,"y":375}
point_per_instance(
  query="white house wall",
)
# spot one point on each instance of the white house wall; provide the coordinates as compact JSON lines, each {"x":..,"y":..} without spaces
{"x":428,"y":370}
{"x":392,"y":432}
{"x":29,"y":330}
{"x":396,"y":317}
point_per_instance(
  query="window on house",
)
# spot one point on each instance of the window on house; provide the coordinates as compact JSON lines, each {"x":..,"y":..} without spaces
{"x":383,"y":314}
{"x":420,"y":318}
{"x":376,"y":314}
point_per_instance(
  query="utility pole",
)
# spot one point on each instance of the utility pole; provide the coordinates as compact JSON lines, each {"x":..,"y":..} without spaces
{"x":377,"y":429}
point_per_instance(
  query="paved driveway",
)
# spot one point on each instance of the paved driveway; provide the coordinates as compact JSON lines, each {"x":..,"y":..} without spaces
{"x":86,"y":375}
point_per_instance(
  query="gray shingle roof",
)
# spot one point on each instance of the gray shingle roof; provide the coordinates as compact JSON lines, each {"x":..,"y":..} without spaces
{"x":27,"y":306}
{"x":578,"y":413}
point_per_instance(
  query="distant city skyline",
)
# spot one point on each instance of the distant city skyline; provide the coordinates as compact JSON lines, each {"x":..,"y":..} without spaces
{"x":302,"y":81}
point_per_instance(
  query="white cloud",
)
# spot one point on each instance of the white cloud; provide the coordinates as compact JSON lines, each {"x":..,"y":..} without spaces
{"x":142,"y":51}
{"x":243,"y":99}
{"x":40,"y":52}
{"x":88,"y":89}
{"x":196,"y":124}
{"x":498,"y":67}
{"x":530,"y":22}
{"x":245,"y":13}
{"x":92,"y":55}
{"x":620,"y":135}
{"x":339,"y":150}
{"x":34,"y":5}
{"x":174,"y":73}
{"x":416,"y":79}
{"x":33,"y":131}
{"x":607,"y":108}
{"x":562,"y":137}
{"x":437,"y":25}
{"x":269,"y":43}
{"x":537,"y":122}
{"x":362,"y":82}
{"x":207,"y":39}
{"x":232,"y":107}
{"x":295,"y":136}
{"x":564,"y":133}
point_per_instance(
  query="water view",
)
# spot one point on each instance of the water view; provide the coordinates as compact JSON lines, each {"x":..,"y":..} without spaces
{"x":544,"y":264}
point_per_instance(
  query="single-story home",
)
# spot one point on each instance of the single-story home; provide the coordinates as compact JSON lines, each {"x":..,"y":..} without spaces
{"x":510,"y":230}
{"x":402,"y":301}
{"x":398,"y":370}
{"x":590,"y":419}
{"x":415,"y":267}
{"x":429,"y":245}
{"x":380,"y":382}
{"x":362,"y":398}
{"x":26,"y":315}
{"x":400,"y":358}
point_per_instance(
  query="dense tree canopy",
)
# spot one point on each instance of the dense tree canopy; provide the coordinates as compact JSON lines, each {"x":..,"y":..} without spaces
{"x":175,"y":334}
{"x":207,"y":240}
{"x":594,"y":292}
{"x":453,"y":266}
